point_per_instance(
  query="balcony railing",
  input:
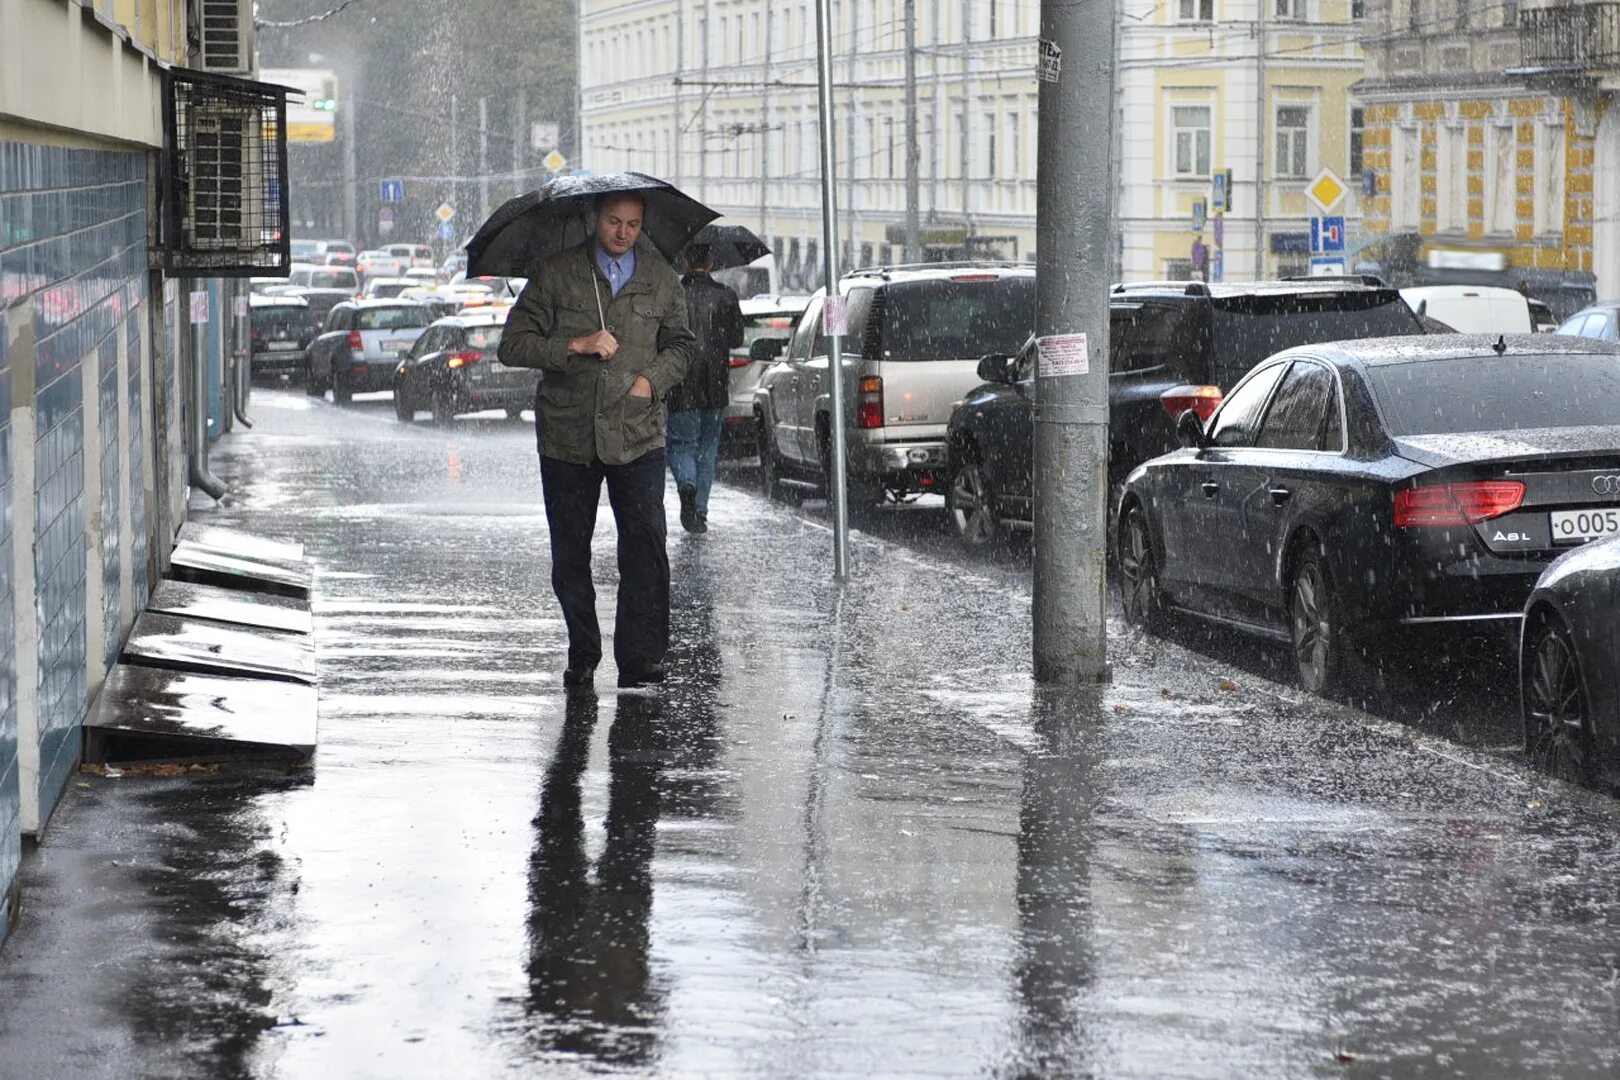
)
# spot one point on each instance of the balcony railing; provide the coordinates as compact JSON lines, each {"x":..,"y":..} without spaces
{"x":1571,"y":37}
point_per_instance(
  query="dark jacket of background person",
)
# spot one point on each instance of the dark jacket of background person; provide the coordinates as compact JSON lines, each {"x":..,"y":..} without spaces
{"x":715,"y":318}
{"x":584,"y":411}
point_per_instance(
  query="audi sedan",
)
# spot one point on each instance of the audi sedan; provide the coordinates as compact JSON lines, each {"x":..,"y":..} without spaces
{"x":1569,"y":662}
{"x":1352,"y":496}
{"x":453,"y":369}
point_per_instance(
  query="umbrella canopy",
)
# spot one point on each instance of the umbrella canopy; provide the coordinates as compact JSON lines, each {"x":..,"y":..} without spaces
{"x":731,"y":245}
{"x":541,"y":223}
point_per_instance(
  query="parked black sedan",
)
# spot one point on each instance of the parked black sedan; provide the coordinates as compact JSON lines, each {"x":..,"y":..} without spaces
{"x":1569,"y":661}
{"x":1346,"y":496}
{"x":453,"y":370}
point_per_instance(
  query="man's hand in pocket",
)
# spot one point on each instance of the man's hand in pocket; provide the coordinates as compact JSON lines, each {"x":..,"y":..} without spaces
{"x":641,"y":388}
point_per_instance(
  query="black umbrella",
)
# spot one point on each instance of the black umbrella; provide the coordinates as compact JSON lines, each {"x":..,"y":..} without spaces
{"x":541,"y":223}
{"x":730,"y":245}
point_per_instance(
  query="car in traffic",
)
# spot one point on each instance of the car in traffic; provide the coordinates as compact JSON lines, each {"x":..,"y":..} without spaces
{"x":425,"y":276}
{"x":334,"y":253}
{"x":305,"y":251}
{"x":386,"y":288}
{"x":1472,"y":309}
{"x":360,"y":345}
{"x":1600,"y":322}
{"x":377,"y":263}
{"x":414,"y":256}
{"x":280,"y":329}
{"x":913,"y":339}
{"x":454,"y":263}
{"x":1569,"y":662}
{"x":768,"y":323}
{"x":322,"y":287}
{"x":1173,"y":346}
{"x":454,"y":369}
{"x":1353,"y":498}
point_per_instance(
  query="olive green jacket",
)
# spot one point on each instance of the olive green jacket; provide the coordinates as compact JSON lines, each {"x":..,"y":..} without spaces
{"x":584,"y":412}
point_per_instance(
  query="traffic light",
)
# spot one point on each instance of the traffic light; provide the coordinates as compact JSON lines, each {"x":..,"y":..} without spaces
{"x":325,"y":104}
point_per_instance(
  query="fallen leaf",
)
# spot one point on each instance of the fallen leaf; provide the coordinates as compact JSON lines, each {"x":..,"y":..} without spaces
{"x":1536,"y":804}
{"x":1120,"y":710}
{"x":91,"y":768}
{"x":1165,"y":692}
{"x":1228,"y":685}
{"x":1344,"y":1057}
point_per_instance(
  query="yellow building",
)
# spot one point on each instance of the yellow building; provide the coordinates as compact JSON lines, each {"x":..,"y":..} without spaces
{"x":1482,"y":136}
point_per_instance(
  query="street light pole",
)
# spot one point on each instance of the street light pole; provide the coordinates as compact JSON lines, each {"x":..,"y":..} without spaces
{"x":1075,"y":238}
{"x":832,"y":309}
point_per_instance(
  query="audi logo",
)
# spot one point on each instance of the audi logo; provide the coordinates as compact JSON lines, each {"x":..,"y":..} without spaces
{"x":1606,"y":485}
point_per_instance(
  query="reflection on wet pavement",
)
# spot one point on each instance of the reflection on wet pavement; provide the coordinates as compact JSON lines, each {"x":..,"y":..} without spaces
{"x":848,"y":838}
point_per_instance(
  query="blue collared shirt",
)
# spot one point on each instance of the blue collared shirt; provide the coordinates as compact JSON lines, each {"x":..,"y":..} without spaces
{"x":618,"y":271}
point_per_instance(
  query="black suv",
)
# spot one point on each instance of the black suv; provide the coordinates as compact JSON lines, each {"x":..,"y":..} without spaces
{"x":1173,"y":346}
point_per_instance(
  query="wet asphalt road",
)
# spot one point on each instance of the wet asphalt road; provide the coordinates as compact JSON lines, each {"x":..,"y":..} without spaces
{"x":848,"y":839}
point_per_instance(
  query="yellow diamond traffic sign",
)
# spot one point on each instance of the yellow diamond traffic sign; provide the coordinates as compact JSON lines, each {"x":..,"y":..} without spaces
{"x":1326,"y":191}
{"x":445,"y":212}
{"x":554,"y":161}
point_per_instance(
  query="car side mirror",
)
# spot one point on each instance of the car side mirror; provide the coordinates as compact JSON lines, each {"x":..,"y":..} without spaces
{"x":995,"y":368}
{"x":1190,"y":431}
{"x":767,"y":350}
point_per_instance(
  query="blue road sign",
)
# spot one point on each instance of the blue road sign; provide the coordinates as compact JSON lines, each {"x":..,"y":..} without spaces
{"x":447,"y":231}
{"x":1316,"y":235}
{"x":1221,"y":198}
{"x":1332,"y":235}
{"x":392,"y":191}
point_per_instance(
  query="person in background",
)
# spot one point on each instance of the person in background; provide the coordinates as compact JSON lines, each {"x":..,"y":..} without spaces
{"x":697,"y":406}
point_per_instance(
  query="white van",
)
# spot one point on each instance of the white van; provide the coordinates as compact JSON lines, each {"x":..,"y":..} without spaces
{"x":1473,"y":309}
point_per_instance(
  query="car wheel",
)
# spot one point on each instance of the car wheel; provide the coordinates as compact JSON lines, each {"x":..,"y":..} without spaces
{"x":444,"y":406}
{"x":311,"y":387}
{"x":1557,"y":719}
{"x":770,"y":467}
{"x":1139,"y":573}
{"x":342,"y":392}
{"x":404,"y":408}
{"x":1316,"y":627}
{"x":971,"y":501}
{"x":515,"y":413}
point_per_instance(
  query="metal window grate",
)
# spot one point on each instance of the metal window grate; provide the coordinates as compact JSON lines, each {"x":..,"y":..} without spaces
{"x":224,"y":185}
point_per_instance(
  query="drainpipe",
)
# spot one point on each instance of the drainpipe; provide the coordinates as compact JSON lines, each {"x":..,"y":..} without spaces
{"x":198,"y":461}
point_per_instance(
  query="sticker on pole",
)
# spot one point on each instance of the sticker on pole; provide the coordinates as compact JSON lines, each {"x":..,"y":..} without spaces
{"x":242,"y":307}
{"x":199,"y":307}
{"x":1063,"y":354}
{"x":835,"y":317}
{"x":1049,"y":67}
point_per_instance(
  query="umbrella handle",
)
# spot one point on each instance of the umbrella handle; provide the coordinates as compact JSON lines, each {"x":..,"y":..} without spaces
{"x":601,"y":316}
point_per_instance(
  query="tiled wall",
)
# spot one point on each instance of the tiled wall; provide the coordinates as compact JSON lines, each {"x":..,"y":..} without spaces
{"x":112,"y":489}
{"x":72,"y":237}
{"x":140,"y":544}
{"x":10,"y":831}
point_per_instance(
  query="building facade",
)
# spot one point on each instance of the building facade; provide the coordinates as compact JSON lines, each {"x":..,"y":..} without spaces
{"x":719,"y":96}
{"x":1484,"y":129}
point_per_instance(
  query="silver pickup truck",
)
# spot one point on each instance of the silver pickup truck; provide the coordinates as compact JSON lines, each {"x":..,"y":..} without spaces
{"x":914,"y":341}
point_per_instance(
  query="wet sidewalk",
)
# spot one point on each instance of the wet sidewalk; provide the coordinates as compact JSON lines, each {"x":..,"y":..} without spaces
{"x":847,"y":839}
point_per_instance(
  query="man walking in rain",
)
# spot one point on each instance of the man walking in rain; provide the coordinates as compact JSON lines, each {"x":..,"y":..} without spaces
{"x":606,"y":323}
{"x":697,"y":406}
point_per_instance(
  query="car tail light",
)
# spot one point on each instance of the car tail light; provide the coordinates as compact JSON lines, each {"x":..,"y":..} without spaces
{"x":356,"y":343}
{"x":1203,"y":400}
{"x":463,"y":358}
{"x":740,"y":360}
{"x":869,"y":406}
{"x":1440,"y":505}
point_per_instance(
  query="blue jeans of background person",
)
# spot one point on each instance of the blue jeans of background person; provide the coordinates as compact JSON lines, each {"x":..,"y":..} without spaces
{"x":636,"y":493}
{"x":694,"y":444}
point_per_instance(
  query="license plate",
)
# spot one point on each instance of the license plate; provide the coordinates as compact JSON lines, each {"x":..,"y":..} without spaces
{"x":1580,"y":526}
{"x":283,"y":346}
{"x":399,"y":348}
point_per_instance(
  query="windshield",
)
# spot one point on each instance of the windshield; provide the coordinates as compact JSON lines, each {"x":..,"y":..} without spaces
{"x":393,"y":318}
{"x":388,"y":290}
{"x":305,"y":249}
{"x":484,"y":337}
{"x":956,"y":319}
{"x":1247,"y":329}
{"x":290,"y":316}
{"x":332,"y":279}
{"x":1498,"y":393}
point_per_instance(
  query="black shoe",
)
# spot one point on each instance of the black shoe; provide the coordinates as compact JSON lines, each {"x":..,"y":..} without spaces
{"x":576,"y":677}
{"x":702,"y":523}
{"x":689,"y":517}
{"x":649,"y":675}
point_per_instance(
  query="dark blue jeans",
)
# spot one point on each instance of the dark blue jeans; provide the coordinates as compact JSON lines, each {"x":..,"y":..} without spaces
{"x":636,"y":493}
{"x":694,"y":444}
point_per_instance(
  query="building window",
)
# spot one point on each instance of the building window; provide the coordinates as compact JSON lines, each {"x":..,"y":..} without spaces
{"x":1450,"y":179}
{"x":1550,"y":178}
{"x":1406,"y":192}
{"x":1358,"y":139}
{"x":1293,"y":140}
{"x":990,"y":162}
{"x":1290,"y":9}
{"x":1358,"y":10}
{"x":1501,"y":175}
{"x":1015,"y":149}
{"x":1196,"y":10}
{"x":1192,"y":139}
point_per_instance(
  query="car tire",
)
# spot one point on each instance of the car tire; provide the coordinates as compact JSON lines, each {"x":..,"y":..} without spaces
{"x":311,"y":387}
{"x":342,"y":392}
{"x":515,"y":413}
{"x":1139,"y":572}
{"x":1553,"y":702}
{"x":770,"y":466}
{"x":1321,"y":650}
{"x":970,"y":501}
{"x":444,"y":406}
{"x":404,"y":408}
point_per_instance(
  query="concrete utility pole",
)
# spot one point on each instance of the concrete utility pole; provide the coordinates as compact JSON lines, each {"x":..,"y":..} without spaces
{"x":455,"y":154}
{"x":837,"y":483}
{"x":913,"y":149}
{"x":351,"y":190}
{"x":1260,"y":146}
{"x":483,"y":160}
{"x":520,"y":143}
{"x":1074,"y":239}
